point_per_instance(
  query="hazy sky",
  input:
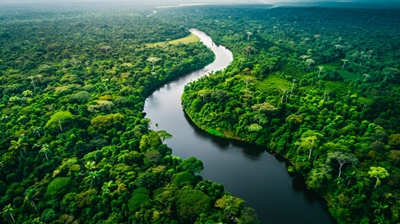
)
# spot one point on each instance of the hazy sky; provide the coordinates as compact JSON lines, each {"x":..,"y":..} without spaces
{"x":175,"y":2}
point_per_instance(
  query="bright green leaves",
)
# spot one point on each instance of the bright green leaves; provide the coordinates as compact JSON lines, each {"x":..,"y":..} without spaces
{"x":59,"y":118}
{"x":317,"y":175}
{"x":309,"y":140}
{"x":230,"y":205}
{"x":379,"y":173}
{"x":105,"y":121}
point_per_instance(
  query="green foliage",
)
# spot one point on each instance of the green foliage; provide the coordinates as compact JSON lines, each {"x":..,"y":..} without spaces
{"x":59,"y":187}
{"x":191,"y":203}
{"x":248,"y":216}
{"x":230,"y":205}
{"x":379,"y":173}
{"x":139,"y":197}
{"x":333,"y":110}
{"x":183,"y":178}
{"x":152,"y":157}
{"x":58,"y":118}
{"x":191,"y":165}
{"x":105,"y":121}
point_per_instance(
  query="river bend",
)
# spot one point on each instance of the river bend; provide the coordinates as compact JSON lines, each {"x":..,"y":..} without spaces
{"x":247,"y":171}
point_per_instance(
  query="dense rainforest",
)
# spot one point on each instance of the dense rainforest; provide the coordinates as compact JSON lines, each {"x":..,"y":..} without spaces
{"x":75,"y":144}
{"x":319,"y":86}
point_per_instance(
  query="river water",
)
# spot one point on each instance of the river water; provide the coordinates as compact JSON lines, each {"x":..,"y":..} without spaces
{"x":247,"y":171}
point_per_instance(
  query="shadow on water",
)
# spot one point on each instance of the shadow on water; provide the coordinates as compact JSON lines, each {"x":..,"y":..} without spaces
{"x":246,"y":170}
{"x":249,"y":150}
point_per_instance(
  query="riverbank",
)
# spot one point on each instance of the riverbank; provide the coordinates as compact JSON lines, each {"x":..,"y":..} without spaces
{"x":246,"y":170}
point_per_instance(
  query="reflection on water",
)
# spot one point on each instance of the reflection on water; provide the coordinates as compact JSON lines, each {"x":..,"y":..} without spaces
{"x":246,"y":170}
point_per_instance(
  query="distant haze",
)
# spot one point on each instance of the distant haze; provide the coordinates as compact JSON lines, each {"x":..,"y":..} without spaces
{"x":383,"y":3}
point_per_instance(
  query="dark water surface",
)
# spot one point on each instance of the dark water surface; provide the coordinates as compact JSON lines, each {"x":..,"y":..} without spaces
{"x":247,"y":171}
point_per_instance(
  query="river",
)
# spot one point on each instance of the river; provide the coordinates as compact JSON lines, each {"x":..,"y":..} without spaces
{"x":247,"y":171}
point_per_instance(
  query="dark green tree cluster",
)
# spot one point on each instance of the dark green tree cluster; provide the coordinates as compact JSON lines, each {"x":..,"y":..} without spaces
{"x":318,"y":86}
{"x":75,"y":146}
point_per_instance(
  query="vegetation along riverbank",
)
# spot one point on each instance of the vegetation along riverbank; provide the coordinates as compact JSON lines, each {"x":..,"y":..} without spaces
{"x":75,"y":145}
{"x":318,"y":86}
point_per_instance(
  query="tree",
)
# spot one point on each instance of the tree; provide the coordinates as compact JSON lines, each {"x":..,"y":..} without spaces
{"x":344,"y":62}
{"x":254,"y":127}
{"x":45,"y":150}
{"x":309,"y":140}
{"x":192,"y":165}
{"x":310,"y":61}
{"x":379,"y":173}
{"x":139,"y":197}
{"x":164,"y":135}
{"x":30,"y":195}
{"x":8,"y":209}
{"x":93,"y":177}
{"x":320,"y":69}
{"x":191,"y":203}
{"x":105,"y":48}
{"x":36,"y":130}
{"x":248,"y":35}
{"x":248,"y":216}
{"x":230,"y":205}
{"x":57,"y":117}
{"x":317,"y":175}
{"x":18,"y":145}
{"x":293,"y":81}
{"x":342,"y":158}
{"x":153,"y":60}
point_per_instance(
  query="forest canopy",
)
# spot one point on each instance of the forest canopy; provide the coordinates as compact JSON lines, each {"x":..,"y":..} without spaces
{"x":75,"y":144}
{"x":319,"y":86}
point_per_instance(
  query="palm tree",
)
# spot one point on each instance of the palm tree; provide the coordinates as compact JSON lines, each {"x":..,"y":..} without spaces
{"x":248,"y":35}
{"x":45,"y":149}
{"x":320,"y":69}
{"x":107,"y":186}
{"x":32,"y":81}
{"x":283,"y":94}
{"x":294,"y":80}
{"x":36,"y":130}
{"x":93,"y":177}
{"x":30,"y":195}
{"x":344,"y":62}
{"x":90,"y":165}
{"x":8,"y":209}
{"x":18,"y":145}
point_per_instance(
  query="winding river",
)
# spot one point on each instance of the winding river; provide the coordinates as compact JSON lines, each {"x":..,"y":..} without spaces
{"x":247,"y":171}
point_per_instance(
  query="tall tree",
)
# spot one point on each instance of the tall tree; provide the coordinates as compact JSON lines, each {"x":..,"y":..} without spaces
{"x":379,"y":173}
{"x":45,"y":150}
{"x":30,"y":195}
{"x":309,"y":140}
{"x":342,"y":158}
{"x":18,"y":145}
{"x":8,"y":209}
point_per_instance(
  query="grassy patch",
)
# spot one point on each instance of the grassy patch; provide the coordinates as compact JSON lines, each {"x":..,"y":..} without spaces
{"x":273,"y":84}
{"x":349,"y":75}
{"x":185,"y":40}
{"x":215,"y":132}
{"x":338,"y":87}
{"x":330,"y":66}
